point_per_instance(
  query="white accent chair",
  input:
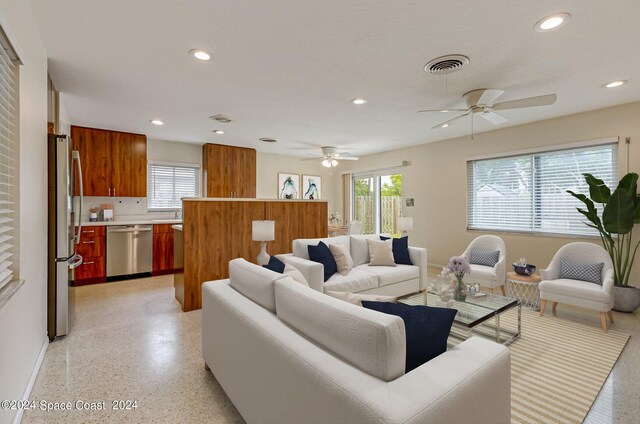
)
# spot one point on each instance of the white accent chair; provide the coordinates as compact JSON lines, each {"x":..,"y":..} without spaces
{"x":583,"y":294}
{"x":490,"y":277}
{"x":355,"y":228}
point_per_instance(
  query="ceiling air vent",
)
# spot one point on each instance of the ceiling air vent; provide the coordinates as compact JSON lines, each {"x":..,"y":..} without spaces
{"x":268,"y":140}
{"x":221,"y":118}
{"x":446,"y":64}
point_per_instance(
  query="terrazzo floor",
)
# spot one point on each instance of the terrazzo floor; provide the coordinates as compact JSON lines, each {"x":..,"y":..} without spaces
{"x":132,"y":342}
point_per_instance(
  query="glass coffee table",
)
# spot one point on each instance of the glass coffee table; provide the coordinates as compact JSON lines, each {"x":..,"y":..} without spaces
{"x":476,"y":315}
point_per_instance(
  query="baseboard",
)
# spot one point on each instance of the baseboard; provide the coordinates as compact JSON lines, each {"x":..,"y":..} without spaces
{"x":36,"y":369}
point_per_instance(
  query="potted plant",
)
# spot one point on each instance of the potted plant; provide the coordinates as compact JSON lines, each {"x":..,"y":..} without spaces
{"x":620,"y":212}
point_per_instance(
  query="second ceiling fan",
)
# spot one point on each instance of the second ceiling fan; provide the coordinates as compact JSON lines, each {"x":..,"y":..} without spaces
{"x":482,"y":102}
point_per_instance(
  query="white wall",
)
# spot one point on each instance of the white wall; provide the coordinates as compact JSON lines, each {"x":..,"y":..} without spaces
{"x":23,"y":321}
{"x":437,"y":179}
{"x":171,"y":151}
{"x":268,"y":167}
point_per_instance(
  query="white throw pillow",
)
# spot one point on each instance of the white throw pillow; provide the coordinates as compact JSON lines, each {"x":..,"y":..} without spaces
{"x":357,"y":299}
{"x":343,"y":258}
{"x":381,"y":253}
{"x":293,"y":272}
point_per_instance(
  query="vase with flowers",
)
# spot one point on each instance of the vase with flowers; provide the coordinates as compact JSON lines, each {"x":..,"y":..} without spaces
{"x":459,"y":266}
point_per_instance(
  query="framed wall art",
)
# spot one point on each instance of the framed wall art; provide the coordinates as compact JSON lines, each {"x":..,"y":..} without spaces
{"x":288,"y":186}
{"x":311,"y":187}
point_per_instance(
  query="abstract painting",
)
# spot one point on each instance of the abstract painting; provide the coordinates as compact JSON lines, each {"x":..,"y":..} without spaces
{"x":311,"y":187}
{"x":288,"y":186}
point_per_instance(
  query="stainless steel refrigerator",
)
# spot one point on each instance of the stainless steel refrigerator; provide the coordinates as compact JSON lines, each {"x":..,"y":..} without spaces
{"x":62,"y":237}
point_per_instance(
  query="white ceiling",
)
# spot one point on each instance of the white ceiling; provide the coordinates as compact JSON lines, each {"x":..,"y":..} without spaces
{"x":288,"y":69}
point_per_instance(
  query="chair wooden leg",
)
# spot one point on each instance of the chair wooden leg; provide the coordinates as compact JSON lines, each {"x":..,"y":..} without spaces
{"x":610,"y":314}
{"x":490,"y":290}
{"x":543,"y":303}
{"x":554,"y":305}
{"x":603,"y":321}
{"x":504,"y":292}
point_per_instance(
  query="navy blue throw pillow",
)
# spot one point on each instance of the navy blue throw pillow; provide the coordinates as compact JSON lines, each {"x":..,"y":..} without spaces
{"x":275,"y":264}
{"x":323,"y":255}
{"x":426,"y":329}
{"x":400,"y":250}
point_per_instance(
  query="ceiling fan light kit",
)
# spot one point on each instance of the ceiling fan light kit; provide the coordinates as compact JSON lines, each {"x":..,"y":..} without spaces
{"x":330,"y":156}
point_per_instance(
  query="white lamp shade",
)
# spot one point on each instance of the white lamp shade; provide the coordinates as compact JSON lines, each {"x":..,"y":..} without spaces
{"x":263,"y":230}
{"x":405,"y":223}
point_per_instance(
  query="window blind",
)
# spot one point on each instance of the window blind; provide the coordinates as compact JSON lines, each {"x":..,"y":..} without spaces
{"x":168,"y":184}
{"x":527,"y":193}
{"x":8,"y":159}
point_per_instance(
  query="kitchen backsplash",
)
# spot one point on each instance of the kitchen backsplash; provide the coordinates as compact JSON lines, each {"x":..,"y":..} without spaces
{"x":129,"y":207}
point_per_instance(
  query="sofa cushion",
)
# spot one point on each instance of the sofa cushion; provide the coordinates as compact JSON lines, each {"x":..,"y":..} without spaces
{"x":391,"y":274}
{"x":275,"y":265}
{"x":323,"y":255}
{"x":360,"y":249}
{"x":254,"y":282}
{"x":295,"y":274}
{"x":380,"y":253}
{"x":427,"y":329}
{"x":370,"y":341}
{"x":400,"y":250}
{"x":356,"y":298}
{"x":355,"y":281}
{"x":484,"y":257}
{"x":576,"y":289}
{"x":591,"y":273}
{"x":481,"y":273}
{"x":299,"y":246}
{"x":343,"y":258}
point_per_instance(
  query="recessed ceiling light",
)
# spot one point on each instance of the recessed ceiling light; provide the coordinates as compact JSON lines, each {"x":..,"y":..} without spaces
{"x":156,"y":122}
{"x":359,"y":101}
{"x":444,"y":110}
{"x":551,"y":22}
{"x":268,"y":140}
{"x":218,"y":132}
{"x":200,"y":54}
{"x":444,"y":125}
{"x":614,"y":84}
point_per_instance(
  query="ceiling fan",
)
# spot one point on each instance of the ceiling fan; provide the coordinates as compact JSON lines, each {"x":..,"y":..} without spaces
{"x":330,"y":156}
{"x":482,"y":102}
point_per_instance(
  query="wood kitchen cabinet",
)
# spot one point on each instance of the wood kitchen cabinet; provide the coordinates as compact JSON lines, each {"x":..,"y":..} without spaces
{"x":162,"y":249}
{"x":230,"y":171}
{"x":113,"y":163}
{"x":92,"y":248}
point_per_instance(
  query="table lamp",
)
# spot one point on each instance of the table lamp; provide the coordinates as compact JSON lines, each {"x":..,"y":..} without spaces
{"x":405,"y":223}
{"x":263,"y":231}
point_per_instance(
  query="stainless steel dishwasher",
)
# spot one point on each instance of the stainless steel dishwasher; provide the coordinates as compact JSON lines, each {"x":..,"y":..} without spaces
{"x":129,"y":249}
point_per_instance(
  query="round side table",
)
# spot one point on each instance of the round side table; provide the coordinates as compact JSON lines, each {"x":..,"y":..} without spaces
{"x":524,"y":288}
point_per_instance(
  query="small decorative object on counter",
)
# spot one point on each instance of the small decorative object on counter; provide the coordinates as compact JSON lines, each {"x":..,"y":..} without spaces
{"x":335,"y":218}
{"x":458,"y":266}
{"x":93,"y":214}
{"x":443,"y":288}
{"x":523,"y":268}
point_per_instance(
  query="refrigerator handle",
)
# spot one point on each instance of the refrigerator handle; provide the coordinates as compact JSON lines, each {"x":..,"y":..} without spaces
{"x":76,"y":157}
{"x":77,"y":262}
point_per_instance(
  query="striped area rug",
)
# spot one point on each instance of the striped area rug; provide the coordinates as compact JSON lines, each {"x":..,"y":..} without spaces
{"x":558,"y":367}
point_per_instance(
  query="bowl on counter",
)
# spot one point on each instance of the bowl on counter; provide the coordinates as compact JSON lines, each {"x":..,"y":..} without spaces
{"x":524,"y":270}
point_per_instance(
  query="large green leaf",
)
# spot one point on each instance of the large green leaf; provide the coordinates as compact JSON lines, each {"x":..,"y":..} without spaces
{"x":637,"y":205}
{"x":619,"y":213}
{"x":598,"y":190}
{"x":629,"y":183}
{"x":591,"y":213}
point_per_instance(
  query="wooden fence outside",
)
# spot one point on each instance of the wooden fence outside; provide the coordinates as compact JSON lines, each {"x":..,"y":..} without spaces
{"x":390,"y":210}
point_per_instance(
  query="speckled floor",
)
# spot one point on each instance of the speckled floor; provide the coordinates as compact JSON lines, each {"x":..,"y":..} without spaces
{"x":131,"y":341}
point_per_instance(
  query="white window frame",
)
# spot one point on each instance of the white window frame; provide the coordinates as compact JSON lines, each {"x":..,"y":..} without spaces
{"x":609,"y":141}
{"x":151,"y":163}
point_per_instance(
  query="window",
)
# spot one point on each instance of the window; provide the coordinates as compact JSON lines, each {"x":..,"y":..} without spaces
{"x":377,"y":201}
{"x":527,"y":192}
{"x":169,"y":183}
{"x":8,"y":160}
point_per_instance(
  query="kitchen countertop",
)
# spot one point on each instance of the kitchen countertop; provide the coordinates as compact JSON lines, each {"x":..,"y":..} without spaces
{"x":133,"y":222}
{"x":177,"y":227}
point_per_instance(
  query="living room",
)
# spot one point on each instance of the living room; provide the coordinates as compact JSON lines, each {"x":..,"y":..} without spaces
{"x":310,"y":76}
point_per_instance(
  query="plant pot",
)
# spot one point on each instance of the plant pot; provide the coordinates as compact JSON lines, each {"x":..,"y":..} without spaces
{"x":626,"y":299}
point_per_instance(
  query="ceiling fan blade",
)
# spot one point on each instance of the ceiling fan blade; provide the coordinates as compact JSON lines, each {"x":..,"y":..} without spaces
{"x":347,"y":158}
{"x":314,"y":158}
{"x":442,"y":110}
{"x":489,"y":96}
{"x":447,"y":123}
{"x":545,"y":100}
{"x":494,"y":118}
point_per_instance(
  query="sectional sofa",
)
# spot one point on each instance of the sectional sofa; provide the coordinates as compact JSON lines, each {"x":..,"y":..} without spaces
{"x":285,"y":353}
{"x":384,"y":280}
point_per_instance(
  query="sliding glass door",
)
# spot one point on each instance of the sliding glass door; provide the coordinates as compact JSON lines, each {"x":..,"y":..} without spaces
{"x":377,"y":202}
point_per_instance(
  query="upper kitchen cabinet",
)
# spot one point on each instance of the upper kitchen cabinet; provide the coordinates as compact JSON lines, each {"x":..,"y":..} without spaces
{"x":230,"y":171}
{"x":113,"y":163}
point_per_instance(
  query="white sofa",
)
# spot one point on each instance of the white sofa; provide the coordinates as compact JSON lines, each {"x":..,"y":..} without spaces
{"x":285,"y":353}
{"x":384,"y":280}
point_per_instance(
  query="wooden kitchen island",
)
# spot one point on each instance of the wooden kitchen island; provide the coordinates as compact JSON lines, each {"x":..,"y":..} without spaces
{"x":217,"y":230}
